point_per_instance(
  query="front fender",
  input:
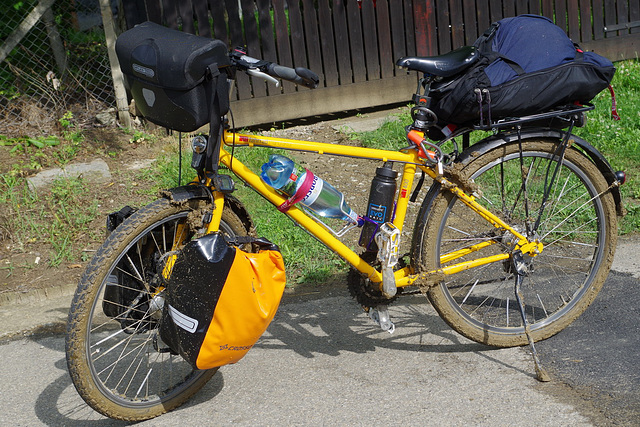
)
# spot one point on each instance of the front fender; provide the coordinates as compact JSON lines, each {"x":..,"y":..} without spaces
{"x":200,"y":192}
{"x":494,"y":141}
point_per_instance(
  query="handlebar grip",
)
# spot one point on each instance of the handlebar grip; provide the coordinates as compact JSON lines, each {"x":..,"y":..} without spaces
{"x":299,"y":75}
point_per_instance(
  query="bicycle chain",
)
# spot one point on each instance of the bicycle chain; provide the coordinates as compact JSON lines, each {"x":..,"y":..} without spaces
{"x":360,"y":287}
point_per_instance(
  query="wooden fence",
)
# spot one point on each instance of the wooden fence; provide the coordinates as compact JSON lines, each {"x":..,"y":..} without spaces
{"x":353,"y":44}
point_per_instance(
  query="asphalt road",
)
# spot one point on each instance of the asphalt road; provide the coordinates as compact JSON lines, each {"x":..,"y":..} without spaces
{"x":598,"y":355}
{"x":323,"y":362}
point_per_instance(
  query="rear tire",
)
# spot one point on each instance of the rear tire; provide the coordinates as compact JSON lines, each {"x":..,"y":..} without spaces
{"x":578,"y":229}
{"x":114,"y":353}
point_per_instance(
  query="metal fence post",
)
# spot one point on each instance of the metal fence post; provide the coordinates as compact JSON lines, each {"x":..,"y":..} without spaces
{"x":118,"y":79}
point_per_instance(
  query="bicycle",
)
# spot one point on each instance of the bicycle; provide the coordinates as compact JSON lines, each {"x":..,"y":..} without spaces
{"x":527,"y":214}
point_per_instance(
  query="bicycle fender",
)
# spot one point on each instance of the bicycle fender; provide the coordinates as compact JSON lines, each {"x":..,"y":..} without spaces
{"x":200,"y":192}
{"x":494,"y":141}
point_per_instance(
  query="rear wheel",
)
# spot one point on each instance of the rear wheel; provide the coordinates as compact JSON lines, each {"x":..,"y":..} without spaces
{"x":576,"y":224}
{"x":115,"y":356}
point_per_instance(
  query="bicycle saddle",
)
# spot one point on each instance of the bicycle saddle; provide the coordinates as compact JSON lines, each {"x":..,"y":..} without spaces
{"x":445,"y":65}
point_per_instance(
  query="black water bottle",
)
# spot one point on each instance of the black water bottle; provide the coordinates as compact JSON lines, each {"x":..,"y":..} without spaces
{"x":379,"y":206}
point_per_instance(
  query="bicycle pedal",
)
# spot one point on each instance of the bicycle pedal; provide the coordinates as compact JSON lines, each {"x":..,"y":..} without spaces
{"x":388,"y":241}
{"x":380,"y":315}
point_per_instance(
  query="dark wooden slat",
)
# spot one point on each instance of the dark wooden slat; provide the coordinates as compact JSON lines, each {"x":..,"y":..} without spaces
{"x":253,"y":43}
{"x":282,"y":41}
{"x":470,"y":21}
{"x":456,"y":19}
{"x":234,"y":23}
{"x":634,"y":15}
{"x":219,"y":23}
{"x":345,"y":69}
{"x":355,"y":41}
{"x":598,"y":20}
{"x":170,"y":14}
{"x":201,"y":12}
{"x":134,"y":13}
{"x":573,"y":14}
{"x":496,"y":10}
{"x":266,"y":35}
{"x":312,"y":38}
{"x":586,"y":32}
{"x":370,"y":38}
{"x":444,"y":29}
{"x":522,"y":7}
{"x":384,"y":39}
{"x":561,"y":16}
{"x":398,"y":30}
{"x":149,"y":10}
{"x":336,"y":69}
{"x":534,"y":7}
{"x":243,"y":83}
{"x":409,"y":24}
{"x":623,"y":17}
{"x":509,"y":8}
{"x":426,"y":30}
{"x":297,"y":35}
{"x":484,"y":18}
{"x":185,"y":10}
{"x":610,"y":17}
{"x":547,"y":8}
{"x":266,"y":31}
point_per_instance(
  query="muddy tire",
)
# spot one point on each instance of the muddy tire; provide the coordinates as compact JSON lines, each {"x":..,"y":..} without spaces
{"x":577,"y":226}
{"x":115,"y":357}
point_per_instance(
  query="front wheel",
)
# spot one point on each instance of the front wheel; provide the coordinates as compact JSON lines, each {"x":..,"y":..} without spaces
{"x":115,"y":357}
{"x":575,"y":221}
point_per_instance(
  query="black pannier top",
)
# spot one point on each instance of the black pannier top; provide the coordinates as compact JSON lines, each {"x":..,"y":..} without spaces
{"x":168,"y":72}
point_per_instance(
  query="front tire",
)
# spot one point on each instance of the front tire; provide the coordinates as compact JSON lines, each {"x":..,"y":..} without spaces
{"x":577,"y":227}
{"x":115,"y":357}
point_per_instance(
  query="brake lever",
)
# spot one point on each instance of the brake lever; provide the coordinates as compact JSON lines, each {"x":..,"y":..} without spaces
{"x":264,"y":76}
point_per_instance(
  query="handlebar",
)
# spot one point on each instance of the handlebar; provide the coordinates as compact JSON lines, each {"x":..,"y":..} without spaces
{"x":271,"y":71}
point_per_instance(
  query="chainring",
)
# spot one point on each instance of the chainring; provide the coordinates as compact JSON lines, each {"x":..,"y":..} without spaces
{"x":361,"y":287}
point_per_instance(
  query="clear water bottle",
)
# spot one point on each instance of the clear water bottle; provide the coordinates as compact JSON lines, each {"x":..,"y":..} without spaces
{"x":302,"y":186}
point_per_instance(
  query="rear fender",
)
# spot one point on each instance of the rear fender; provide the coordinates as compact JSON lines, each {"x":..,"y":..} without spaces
{"x":494,"y":141}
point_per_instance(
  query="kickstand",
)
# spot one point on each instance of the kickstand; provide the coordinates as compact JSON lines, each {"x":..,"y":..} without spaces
{"x":520,"y":268}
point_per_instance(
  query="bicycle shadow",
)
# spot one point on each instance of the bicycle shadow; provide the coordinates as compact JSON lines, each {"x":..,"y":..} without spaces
{"x":325,"y":324}
{"x":333,"y":323}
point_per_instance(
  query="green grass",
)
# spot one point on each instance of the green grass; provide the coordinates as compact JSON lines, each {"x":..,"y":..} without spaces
{"x":619,"y":141}
{"x":57,"y":216}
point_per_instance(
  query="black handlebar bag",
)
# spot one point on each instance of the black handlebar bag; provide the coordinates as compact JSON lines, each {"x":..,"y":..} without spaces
{"x":527,"y":65}
{"x":176,"y":79}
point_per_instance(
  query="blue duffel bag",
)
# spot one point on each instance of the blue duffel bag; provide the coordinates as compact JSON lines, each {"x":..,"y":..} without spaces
{"x":527,"y":65}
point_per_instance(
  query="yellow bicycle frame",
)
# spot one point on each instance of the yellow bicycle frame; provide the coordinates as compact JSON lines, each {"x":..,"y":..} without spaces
{"x":411,"y":161}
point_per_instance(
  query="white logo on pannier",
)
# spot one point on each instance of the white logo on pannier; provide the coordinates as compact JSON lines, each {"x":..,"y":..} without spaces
{"x":149,"y":96}
{"x":145,"y":71}
{"x":182,"y":320}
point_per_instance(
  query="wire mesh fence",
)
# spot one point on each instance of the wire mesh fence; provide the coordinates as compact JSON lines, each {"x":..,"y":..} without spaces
{"x":53,"y":60}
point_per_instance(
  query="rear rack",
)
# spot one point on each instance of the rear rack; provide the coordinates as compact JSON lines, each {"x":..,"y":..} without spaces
{"x":567,"y":113}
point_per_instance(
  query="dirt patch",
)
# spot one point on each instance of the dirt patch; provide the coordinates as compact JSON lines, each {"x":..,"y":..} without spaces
{"x":25,"y":263}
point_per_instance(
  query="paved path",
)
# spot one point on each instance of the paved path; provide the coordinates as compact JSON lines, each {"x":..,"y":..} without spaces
{"x":323,"y":362}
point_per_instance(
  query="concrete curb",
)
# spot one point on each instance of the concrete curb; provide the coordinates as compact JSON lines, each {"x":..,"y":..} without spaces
{"x":36,"y":295}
